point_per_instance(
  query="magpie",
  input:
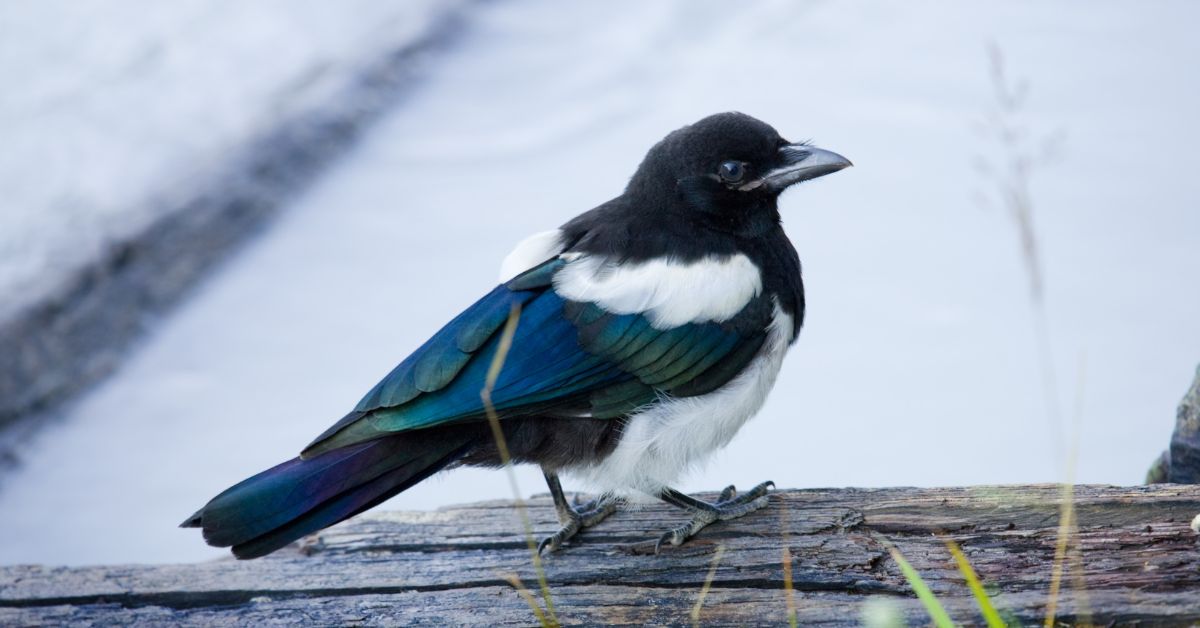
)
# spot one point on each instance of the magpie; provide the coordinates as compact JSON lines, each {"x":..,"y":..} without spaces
{"x":648,"y":331}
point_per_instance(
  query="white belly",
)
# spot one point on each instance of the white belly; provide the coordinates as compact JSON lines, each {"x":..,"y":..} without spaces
{"x":662,"y":442}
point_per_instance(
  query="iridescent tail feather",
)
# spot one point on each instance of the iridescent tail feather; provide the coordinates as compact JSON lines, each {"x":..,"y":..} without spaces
{"x":284,"y":503}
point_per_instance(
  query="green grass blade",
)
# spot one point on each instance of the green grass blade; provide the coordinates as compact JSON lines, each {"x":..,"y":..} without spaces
{"x":990,"y":615}
{"x":932,"y":606}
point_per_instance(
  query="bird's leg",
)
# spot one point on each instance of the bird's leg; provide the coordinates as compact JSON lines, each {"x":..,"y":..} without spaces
{"x":591,"y":504}
{"x":729,"y":505}
{"x":574,"y":519}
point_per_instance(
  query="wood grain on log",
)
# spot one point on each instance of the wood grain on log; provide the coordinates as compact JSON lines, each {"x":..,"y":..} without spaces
{"x":1140,"y":563}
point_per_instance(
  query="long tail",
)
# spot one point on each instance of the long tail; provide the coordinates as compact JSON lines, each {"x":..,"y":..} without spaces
{"x":266,"y":512}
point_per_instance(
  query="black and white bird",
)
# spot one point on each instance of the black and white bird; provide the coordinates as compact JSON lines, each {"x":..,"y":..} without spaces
{"x":649,"y":330}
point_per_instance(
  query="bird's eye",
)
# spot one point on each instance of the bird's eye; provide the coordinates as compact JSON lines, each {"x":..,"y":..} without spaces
{"x":731,"y":171}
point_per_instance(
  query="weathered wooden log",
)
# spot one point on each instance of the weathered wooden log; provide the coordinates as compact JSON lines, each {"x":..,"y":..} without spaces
{"x":1139,"y":563}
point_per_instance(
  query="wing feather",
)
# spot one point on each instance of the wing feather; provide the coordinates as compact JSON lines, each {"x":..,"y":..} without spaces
{"x":567,"y":357}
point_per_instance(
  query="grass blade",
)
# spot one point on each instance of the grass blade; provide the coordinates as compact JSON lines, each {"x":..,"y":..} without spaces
{"x":516,"y":583}
{"x":990,"y":615}
{"x":788,"y":587}
{"x":506,"y":336}
{"x":712,"y":573}
{"x":789,"y":591}
{"x":1066,"y":520}
{"x":932,"y":606}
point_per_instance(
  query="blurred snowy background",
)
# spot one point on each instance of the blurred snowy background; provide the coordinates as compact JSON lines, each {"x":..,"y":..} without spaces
{"x":113,"y":109}
{"x":918,"y":363}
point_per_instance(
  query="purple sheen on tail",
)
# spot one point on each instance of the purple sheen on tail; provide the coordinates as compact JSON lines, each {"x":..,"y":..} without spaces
{"x":279,"y":505}
{"x":345,"y":505}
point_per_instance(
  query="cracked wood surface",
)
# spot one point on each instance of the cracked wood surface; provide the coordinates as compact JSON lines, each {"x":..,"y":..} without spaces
{"x":1140,"y":564}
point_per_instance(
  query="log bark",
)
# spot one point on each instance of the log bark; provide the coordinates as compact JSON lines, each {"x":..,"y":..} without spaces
{"x":1138,"y":563}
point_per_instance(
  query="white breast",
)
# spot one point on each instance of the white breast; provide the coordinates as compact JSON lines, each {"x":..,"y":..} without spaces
{"x":662,"y":442}
{"x":669,"y":292}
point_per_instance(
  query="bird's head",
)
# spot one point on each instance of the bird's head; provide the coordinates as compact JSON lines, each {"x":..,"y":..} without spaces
{"x":730,"y":167}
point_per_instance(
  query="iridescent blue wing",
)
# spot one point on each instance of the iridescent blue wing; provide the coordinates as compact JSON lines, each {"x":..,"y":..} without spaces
{"x":567,"y":359}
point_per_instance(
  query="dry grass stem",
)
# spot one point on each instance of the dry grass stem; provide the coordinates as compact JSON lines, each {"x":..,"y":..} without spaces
{"x":1010,"y":176}
{"x":510,"y":327}
{"x":515,"y":580}
{"x":788,"y":588}
{"x":708,"y":580}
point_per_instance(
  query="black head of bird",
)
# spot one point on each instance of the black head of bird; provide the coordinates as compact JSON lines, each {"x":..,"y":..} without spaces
{"x":650,"y":329}
{"x":729,"y":169}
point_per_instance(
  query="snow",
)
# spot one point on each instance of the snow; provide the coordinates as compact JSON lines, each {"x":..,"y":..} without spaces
{"x":113,"y":111}
{"x":917,"y":364}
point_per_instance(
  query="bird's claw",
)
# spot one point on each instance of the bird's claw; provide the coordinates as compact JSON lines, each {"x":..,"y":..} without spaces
{"x":666,"y":537}
{"x":729,"y":505}
{"x":555,"y":541}
{"x":573,"y":520}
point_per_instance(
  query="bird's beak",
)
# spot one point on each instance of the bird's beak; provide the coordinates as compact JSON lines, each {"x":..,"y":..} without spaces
{"x":796,"y":163}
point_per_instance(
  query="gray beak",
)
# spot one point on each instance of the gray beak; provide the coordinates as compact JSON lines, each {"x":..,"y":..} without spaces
{"x":798,"y":162}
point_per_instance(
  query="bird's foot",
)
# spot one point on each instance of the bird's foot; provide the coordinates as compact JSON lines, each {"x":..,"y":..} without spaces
{"x":729,"y":505}
{"x":575,"y":518}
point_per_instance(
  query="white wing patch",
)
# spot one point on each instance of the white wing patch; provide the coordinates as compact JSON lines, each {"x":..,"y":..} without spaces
{"x":670,"y":293}
{"x":531,"y":251}
{"x":668,"y":438}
